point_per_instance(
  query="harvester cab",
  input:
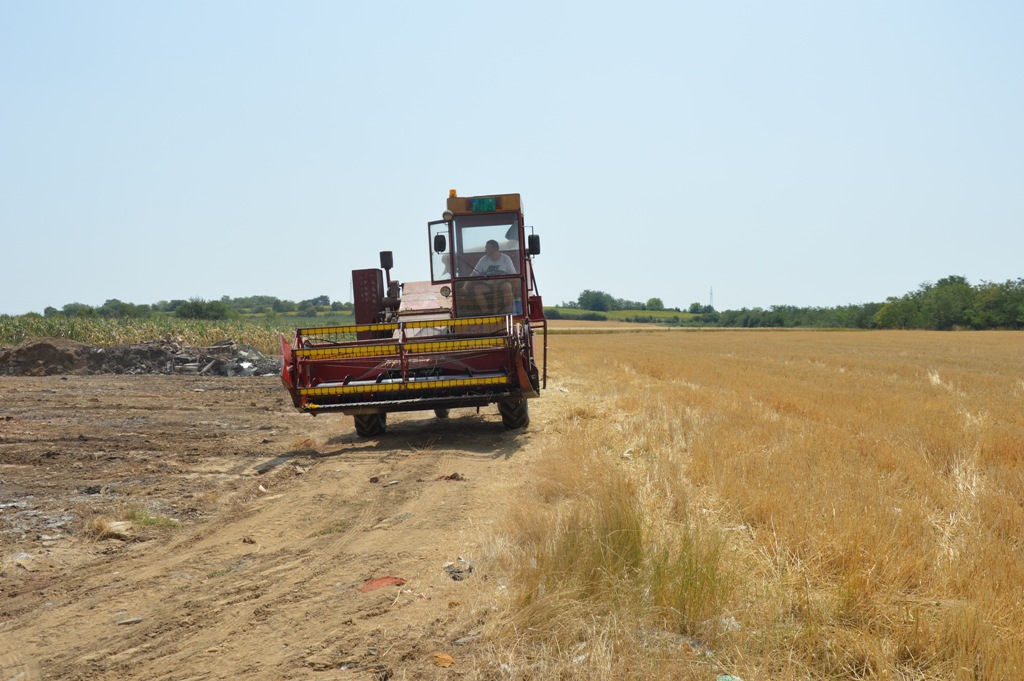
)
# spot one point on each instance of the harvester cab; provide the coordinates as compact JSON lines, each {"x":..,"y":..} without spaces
{"x":465,"y":338}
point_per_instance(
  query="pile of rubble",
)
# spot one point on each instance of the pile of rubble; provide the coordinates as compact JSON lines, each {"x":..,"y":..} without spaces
{"x":49,"y":356}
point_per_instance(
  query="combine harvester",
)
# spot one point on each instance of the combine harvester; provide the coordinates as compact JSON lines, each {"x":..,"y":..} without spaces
{"x":463,"y":339}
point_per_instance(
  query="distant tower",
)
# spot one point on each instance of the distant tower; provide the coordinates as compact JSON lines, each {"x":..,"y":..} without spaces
{"x":712,"y":298}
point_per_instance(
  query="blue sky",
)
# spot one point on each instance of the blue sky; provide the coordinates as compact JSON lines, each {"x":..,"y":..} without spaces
{"x":801,"y":153}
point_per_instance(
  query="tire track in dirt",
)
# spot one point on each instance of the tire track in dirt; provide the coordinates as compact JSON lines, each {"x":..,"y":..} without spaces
{"x":13,"y":665}
{"x":365,"y":544}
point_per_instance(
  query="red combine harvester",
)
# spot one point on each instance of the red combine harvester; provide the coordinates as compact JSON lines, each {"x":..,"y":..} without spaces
{"x":463,"y":339}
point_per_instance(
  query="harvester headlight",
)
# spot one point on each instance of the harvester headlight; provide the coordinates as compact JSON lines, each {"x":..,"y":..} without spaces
{"x":446,"y":291}
{"x":447,"y":216}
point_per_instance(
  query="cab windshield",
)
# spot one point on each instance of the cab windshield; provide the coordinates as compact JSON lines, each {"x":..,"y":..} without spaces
{"x":472,"y":234}
{"x":469,"y":256}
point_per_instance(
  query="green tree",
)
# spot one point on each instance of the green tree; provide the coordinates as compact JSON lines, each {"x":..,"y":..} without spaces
{"x":999,"y":306}
{"x":989,"y":312}
{"x":947,"y":304}
{"x":655,"y":304}
{"x":197,"y":308}
{"x":595,"y":300}
{"x":114,"y":308}
{"x":78,"y":310}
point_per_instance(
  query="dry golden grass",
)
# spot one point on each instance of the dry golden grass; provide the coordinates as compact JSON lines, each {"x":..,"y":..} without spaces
{"x":775,"y":505}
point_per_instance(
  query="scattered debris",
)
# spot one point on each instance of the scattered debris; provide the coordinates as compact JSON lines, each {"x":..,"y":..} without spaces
{"x":391,"y":483}
{"x":25,"y":561}
{"x":378,"y":582}
{"x":130,"y":620}
{"x":375,"y":478}
{"x":662,"y":638}
{"x":465,"y":640}
{"x":379,"y":672}
{"x":459,"y":572}
{"x":729,"y":624}
{"x":51,"y":356}
{"x":454,"y":476}
{"x":268,"y":466}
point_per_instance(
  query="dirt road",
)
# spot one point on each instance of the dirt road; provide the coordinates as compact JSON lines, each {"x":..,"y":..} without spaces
{"x":266,"y":570}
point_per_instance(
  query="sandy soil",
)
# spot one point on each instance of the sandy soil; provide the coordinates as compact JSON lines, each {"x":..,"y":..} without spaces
{"x":267,"y":574}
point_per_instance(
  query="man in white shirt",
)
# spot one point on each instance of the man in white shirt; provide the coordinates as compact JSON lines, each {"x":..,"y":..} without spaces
{"x":495,"y":296}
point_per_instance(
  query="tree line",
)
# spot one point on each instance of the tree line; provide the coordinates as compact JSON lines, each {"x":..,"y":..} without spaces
{"x":198,"y":308}
{"x":950,"y":303}
{"x":599,"y":301}
{"x":953,"y":303}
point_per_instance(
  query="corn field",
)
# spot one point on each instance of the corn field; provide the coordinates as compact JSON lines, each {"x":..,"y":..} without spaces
{"x":259,"y":332}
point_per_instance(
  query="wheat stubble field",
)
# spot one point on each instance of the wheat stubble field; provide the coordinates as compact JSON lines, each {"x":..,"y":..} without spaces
{"x":792,"y":504}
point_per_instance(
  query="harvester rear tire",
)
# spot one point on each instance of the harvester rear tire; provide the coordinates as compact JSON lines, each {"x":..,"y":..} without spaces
{"x":441,"y":413}
{"x":515,"y":414}
{"x":370,"y":425}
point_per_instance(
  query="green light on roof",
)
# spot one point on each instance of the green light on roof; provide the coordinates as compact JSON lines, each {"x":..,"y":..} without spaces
{"x":484,"y":204}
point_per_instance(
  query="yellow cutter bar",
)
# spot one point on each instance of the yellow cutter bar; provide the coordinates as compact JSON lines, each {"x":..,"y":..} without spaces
{"x":387,"y":350}
{"x":449,"y":346}
{"x":427,"y":323}
{"x":463,"y":321}
{"x":353,"y":328}
{"x":392,"y":349}
{"x":400,"y":387}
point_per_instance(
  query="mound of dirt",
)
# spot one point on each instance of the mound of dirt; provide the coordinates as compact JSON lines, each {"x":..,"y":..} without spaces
{"x":44,"y":357}
{"x":50,"y":356}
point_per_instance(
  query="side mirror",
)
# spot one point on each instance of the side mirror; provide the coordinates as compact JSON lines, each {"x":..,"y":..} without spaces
{"x":534,"y":244}
{"x":387,"y":261}
{"x":440,"y":243}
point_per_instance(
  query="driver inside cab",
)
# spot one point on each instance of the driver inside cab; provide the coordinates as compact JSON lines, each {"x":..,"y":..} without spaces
{"x":494,"y":297}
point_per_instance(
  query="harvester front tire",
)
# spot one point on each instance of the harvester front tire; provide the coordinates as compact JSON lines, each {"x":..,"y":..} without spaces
{"x":515,"y":414}
{"x":441,"y":413}
{"x":370,"y":425}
